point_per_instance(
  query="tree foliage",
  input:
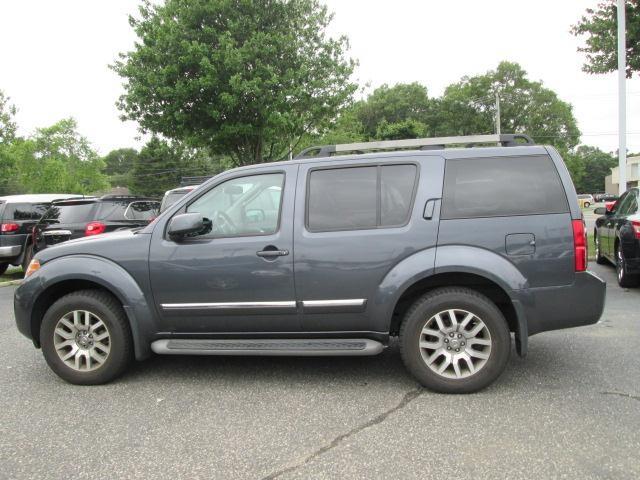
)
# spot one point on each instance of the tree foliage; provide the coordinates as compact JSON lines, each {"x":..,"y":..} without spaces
{"x":589,"y":166}
{"x":245,"y":78}
{"x":118,"y":166}
{"x":526,"y":106}
{"x":59,"y":159}
{"x":390,"y":111}
{"x":161,"y":164}
{"x":8,"y":125}
{"x":600,"y":26}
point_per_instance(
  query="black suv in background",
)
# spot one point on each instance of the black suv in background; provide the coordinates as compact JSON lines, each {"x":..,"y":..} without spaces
{"x":18,"y":215}
{"x":84,"y":217}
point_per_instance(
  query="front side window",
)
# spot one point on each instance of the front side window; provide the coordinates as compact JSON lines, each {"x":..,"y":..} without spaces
{"x":356,"y":198}
{"x":242,"y":206}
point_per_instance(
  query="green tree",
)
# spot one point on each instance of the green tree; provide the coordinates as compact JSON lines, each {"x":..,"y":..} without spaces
{"x":600,"y":26}
{"x":10,"y":146}
{"x":161,"y":164}
{"x":118,"y":166}
{"x":395,"y":105}
{"x":8,"y":126}
{"x":246,"y":78}
{"x":468,"y":107}
{"x":58,"y":159}
{"x":592,"y":165}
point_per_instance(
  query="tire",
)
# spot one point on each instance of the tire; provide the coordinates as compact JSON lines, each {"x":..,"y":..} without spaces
{"x":494,"y":336}
{"x":625,"y":280}
{"x":91,"y":345}
{"x":600,"y":260}
{"x":3,"y":267}
{"x":587,"y":204}
{"x":28,"y":256}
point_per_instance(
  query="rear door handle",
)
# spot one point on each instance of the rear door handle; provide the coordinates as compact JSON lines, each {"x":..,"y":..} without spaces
{"x":272,"y":253}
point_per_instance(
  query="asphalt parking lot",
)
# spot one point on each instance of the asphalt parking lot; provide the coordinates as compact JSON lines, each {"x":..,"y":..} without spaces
{"x":571,"y":409}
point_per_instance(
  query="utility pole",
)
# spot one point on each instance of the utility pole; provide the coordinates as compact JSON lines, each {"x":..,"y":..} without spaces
{"x":622,"y":97}
{"x":497,"y":113}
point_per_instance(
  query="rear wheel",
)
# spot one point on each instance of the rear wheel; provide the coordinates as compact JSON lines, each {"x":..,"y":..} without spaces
{"x":3,"y":267}
{"x":455,"y":340}
{"x":587,"y":204}
{"x":86,"y":338}
{"x":599,"y":258}
{"x":625,"y":279}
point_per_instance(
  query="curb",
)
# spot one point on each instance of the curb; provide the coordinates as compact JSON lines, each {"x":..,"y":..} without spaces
{"x":10,"y":282}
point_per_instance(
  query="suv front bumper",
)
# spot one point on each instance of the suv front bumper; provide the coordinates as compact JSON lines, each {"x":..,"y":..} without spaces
{"x":554,"y":308}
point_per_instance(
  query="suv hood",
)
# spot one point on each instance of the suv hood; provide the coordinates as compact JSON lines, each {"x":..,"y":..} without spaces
{"x":115,"y":246}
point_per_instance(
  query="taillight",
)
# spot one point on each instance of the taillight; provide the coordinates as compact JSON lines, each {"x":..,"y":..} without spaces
{"x":579,"y":245}
{"x":636,"y":228}
{"x":94,"y":228}
{"x":9,"y":227}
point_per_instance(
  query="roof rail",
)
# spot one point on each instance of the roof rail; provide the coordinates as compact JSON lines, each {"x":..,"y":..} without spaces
{"x":436,"y":143}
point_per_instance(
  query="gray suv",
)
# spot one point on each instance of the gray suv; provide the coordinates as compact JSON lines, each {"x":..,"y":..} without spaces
{"x":449,"y":249}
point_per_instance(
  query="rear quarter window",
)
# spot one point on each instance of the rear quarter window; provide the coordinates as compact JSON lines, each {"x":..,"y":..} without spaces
{"x":502,"y":186}
{"x":24,"y":211}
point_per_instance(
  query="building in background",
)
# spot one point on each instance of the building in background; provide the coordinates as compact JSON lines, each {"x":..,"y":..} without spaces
{"x":633,"y":176}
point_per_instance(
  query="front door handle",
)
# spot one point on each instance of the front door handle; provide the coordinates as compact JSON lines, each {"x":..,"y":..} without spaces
{"x":272,"y":252}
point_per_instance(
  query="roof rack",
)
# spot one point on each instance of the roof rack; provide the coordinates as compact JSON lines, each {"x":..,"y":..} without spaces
{"x":436,"y":143}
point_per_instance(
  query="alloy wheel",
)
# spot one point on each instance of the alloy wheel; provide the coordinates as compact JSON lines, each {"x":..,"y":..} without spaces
{"x":455,"y":343}
{"x":82,"y":340}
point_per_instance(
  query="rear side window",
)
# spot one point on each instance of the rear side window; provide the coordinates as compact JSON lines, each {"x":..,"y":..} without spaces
{"x":24,"y":211}
{"x":142,"y":211}
{"x":71,"y":213}
{"x":503,"y":186}
{"x":355,"y":198}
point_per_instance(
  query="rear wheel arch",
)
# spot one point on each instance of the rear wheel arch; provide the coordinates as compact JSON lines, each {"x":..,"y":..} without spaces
{"x":473,"y":281}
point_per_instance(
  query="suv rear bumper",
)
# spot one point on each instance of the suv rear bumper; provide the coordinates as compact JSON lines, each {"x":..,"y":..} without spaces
{"x":554,"y":308}
{"x":12,"y":251}
{"x":11,"y":247}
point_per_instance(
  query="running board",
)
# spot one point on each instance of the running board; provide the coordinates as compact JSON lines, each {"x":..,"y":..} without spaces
{"x":273,"y":347}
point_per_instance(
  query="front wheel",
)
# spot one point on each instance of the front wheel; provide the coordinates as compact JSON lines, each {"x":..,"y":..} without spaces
{"x":85,"y":338}
{"x":455,"y":340}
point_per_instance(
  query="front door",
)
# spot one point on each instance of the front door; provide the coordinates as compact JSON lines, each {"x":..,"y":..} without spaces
{"x":237,"y":274}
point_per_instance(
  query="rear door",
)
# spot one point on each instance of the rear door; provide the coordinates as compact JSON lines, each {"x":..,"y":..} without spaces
{"x":355,"y":220}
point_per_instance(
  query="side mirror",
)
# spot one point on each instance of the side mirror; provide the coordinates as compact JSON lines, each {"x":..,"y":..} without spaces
{"x":185,"y":224}
{"x":600,"y":211}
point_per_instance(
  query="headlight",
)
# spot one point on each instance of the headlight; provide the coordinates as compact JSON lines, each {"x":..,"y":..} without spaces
{"x":33,"y":267}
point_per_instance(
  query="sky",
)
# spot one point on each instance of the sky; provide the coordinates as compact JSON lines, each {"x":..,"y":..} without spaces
{"x":55,"y":57}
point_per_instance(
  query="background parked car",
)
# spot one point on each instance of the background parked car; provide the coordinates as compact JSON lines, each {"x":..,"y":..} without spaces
{"x":172,"y":196}
{"x":586,"y":200}
{"x":604,"y":197}
{"x":187,"y":184}
{"x":18,"y":215}
{"x":617,"y":237}
{"x":84,"y":217}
